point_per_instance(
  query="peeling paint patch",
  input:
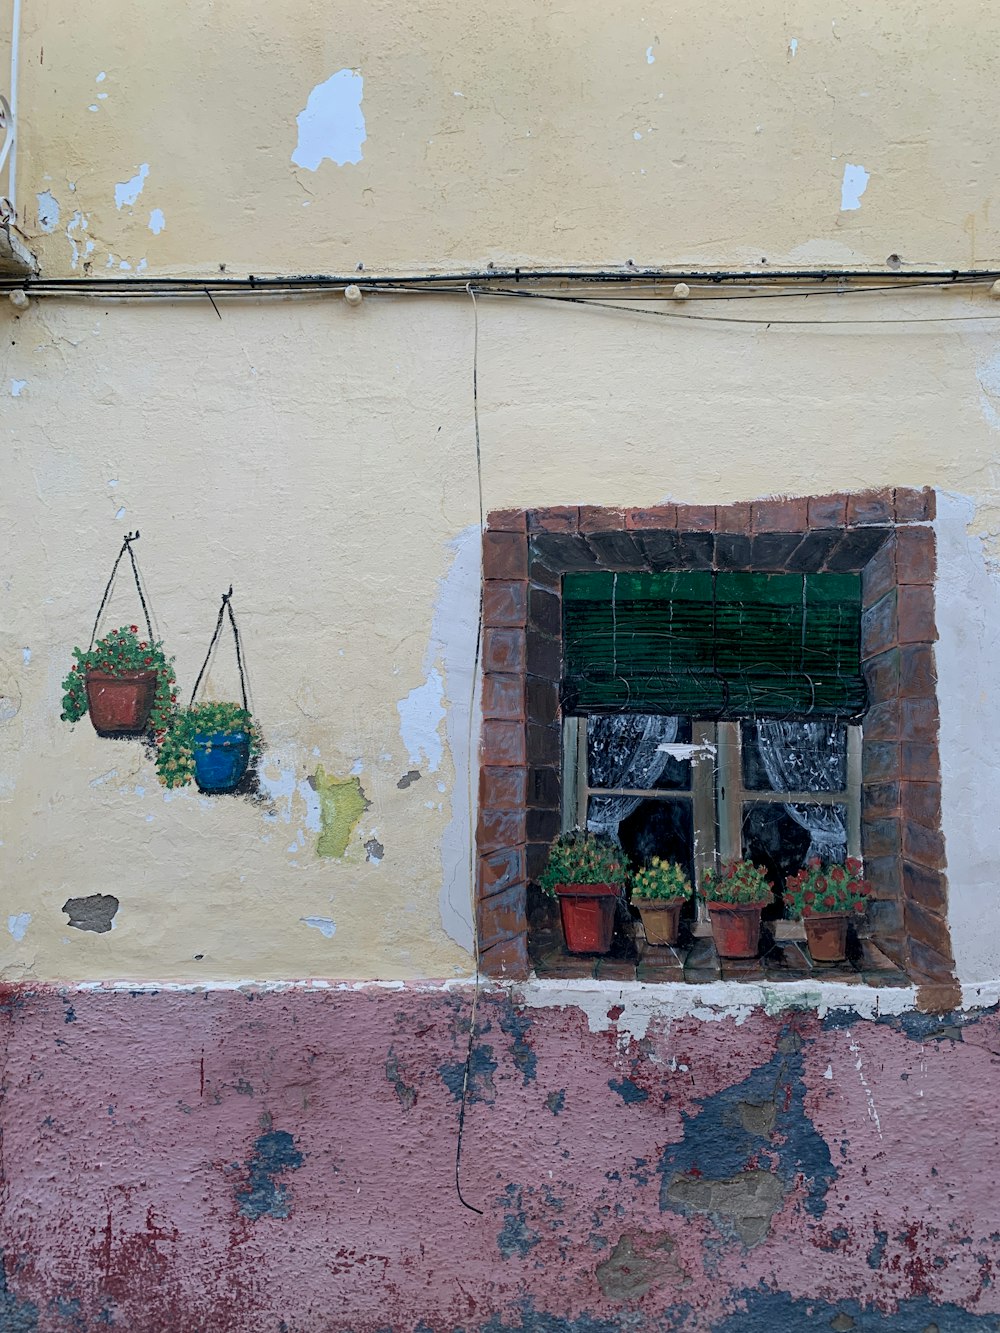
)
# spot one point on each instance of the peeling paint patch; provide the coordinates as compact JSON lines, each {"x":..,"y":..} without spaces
{"x":342,"y":802}
{"x":323,"y":924}
{"x":516,"y":1024}
{"x":516,"y":1238}
{"x":78,"y":223}
{"x":274,"y":1154}
{"x":854,"y":184}
{"x":407,"y":1095}
{"x":156,"y":221}
{"x":16,"y":387}
{"x":48,"y":211}
{"x":408,"y":779}
{"x":332,"y":124}
{"x":18,"y":924}
{"x":374,"y":851}
{"x":127,"y":192}
{"x":988,"y":375}
{"x":420,"y":715}
{"x":95,"y":912}
{"x":650,"y":58}
{"x":482,"y":1067}
{"x":793,"y":47}
{"x":629,"y":1092}
{"x":555,"y":1101}
{"x":16,"y":1316}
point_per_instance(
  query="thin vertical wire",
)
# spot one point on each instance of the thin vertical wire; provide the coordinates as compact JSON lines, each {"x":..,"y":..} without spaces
{"x":471,"y":797}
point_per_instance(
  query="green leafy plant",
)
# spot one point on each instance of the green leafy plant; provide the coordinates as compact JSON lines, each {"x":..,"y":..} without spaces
{"x":739,"y":882}
{"x":581,"y":857}
{"x":827,"y":890}
{"x":660,"y":881}
{"x":118,"y":653}
{"x":175,"y":756}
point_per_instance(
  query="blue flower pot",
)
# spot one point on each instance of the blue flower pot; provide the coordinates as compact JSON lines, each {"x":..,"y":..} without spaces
{"x":220,"y":760}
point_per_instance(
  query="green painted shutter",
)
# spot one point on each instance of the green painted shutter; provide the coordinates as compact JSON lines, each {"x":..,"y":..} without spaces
{"x":713,"y":644}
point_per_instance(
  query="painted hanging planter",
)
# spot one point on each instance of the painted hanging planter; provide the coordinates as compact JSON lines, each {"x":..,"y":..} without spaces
{"x":586,"y":873}
{"x":211,"y":744}
{"x":124,"y":680}
{"x":735,"y":895}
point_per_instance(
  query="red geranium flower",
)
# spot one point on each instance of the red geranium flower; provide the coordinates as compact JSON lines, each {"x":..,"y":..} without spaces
{"x":859,"y":908}
{"x":836,"y":874}
{"x":821,"y":883}
{"x":134,"y":629}
{"x":148,"y":661}
{"x":853,"y":865}
{"x":829,"y":901}
{"x":809,"y":896}
{"x":814,"y":863}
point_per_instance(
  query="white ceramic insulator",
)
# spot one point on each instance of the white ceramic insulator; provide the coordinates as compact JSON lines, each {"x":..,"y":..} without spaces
{"x":352,"y":294}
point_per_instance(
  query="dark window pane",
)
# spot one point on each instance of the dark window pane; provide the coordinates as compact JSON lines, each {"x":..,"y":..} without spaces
{"x":794,"y":756}
{"x":646,"y":827}
{"x":782,"y":838}
{"x":623,"y":751}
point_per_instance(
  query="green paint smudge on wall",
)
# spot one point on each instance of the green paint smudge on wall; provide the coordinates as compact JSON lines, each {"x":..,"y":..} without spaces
{"x":341,"y":805}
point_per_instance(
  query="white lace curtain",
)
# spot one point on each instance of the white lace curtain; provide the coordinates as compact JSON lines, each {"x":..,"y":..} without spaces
{"x":799,"y":756}
{"x":630,"y":758}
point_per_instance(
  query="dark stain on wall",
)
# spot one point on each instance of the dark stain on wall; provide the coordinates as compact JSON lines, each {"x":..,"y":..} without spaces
{"x":15,"y":1316}
{"x":743,"y":1150}
{"x":629,"y":1092}
{"x":273,"y":1155}
{"x":407,"y":1095}
{"x":482,"y":1067}
{"x":516,"y":1024}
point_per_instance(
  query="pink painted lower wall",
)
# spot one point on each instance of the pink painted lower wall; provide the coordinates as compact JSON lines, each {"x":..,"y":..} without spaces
{"x":284,"y":1162}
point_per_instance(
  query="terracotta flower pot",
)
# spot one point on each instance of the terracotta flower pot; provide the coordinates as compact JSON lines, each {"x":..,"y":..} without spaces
{"x":588,"y":915}
{"x":827,"y":936}
{"x":120,"y":704}
{"x":660,"y":919}
{"x":736,"y":928}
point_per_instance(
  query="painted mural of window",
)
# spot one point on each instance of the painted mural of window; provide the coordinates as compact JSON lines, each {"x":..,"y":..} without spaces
{"x":713,"y":716}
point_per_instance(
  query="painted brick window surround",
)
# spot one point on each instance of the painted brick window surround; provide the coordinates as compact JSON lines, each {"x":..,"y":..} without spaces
{"x":886,"y":536}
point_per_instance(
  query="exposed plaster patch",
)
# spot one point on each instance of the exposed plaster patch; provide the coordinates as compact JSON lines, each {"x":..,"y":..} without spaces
{"x":332,"y":124}
{"x":95,"y":912}
{"x":323,"y":924}
{"x":78,"y":224}
{"x":628,"y":1273}
{"x":48,"y":211}
{"x":18,"y":925}
{"x":420,"y":716}
{"x":854,"y":184}
{"x":640,"y":1004}
{"x":988,"y":375}
{"x":156,"y":221}
{"x":16,"y":387}
{"x":127,"y":192}
{"x":342,"y":802}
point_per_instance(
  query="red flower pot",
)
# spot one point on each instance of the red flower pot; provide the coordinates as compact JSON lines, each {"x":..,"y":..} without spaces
{"x":122,"y":703}
{"x":827,"y":936}
{"x":588,"y":915}
{"x":660,"y":920}
{"x":736,"y":928}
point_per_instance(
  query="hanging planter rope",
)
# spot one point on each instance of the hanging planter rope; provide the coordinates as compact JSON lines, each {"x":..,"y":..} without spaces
{"x":126,"y":683}
{"x":212,"y":743}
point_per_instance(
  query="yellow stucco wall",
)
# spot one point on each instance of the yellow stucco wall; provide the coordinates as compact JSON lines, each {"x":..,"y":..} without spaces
{"x":322,"y":459}
{"x":582,"y":133}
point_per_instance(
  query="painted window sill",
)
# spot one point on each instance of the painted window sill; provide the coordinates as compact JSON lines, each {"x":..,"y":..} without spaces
{"x":698,"y":962}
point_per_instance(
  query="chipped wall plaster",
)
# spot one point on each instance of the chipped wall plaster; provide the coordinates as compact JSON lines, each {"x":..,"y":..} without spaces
{"x":332,"y":125}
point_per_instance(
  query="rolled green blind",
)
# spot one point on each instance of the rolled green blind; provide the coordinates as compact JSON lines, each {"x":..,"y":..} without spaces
{"x":723,"y":645}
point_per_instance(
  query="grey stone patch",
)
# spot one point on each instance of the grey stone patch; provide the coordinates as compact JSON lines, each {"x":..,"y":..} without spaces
{"x":95,"y":912}
{"x":747,"y":1202}
{"x":758,"y":1117}
{"x":408,"y":779}
{"x":627,"y":1274}
{"x":374,"y":851}
{"x":842,"y":1323}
